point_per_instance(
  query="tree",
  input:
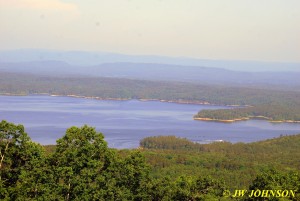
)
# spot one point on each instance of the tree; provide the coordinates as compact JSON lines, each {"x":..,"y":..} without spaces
{"x":86,"y":169}
{"x":19,"y":156}
{"x":80,"y":156}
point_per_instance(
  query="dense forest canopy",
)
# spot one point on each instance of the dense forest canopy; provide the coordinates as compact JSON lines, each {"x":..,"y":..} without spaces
{"x":81,"y":167}
{"x":237,"y":163}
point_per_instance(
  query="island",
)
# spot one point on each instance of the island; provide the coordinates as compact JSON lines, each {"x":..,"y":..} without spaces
{"x":273,"y":112}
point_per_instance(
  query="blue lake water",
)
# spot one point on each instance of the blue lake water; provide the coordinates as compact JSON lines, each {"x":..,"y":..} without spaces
{"x":125,"y":123}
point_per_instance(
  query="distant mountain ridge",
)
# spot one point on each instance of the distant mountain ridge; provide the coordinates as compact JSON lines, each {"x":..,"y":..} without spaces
{"x":152,"y":71}
{"x":85,"y":58}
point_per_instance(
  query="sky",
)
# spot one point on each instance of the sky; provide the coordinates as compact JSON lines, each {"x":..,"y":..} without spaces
{"x":265,"y":30}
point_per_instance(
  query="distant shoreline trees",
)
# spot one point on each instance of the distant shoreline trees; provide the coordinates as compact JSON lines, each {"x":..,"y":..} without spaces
{"x":275,"y":105}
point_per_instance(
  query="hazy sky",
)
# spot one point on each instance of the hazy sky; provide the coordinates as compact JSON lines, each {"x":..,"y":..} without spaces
{"x":210,"y":29}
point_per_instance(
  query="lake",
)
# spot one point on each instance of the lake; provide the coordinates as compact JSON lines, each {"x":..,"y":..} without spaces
{"x":125,"y":123}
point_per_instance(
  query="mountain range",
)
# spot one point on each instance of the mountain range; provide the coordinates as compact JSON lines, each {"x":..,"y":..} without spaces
{"x":85,"y":58}
{"x":78,"y":64}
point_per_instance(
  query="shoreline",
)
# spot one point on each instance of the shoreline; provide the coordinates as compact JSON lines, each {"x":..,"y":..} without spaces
{"x":179,"y":101}
{"x":244,"y":119}
{"x":140,"y":99}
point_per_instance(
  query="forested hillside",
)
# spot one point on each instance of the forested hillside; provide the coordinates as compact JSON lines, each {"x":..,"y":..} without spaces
{"x":237,"y":164}
{"x":274,"y":105}
{"x":82,"y":167}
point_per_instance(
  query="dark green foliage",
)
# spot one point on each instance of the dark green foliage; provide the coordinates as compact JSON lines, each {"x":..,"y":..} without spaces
{"x":20,"y":162}
{"x":168,"y":142}
{"x":79,"y":157}
{"x":85,"y":169}
{"x":82,"y":167}
{"x":238,"y":164}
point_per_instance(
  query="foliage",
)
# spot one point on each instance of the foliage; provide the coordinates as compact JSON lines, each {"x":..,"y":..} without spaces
{"x":238,"y":164}
{"x":272,"y":179}
{"x":82,"y":167}
{"x":168,"y":142}
{"x":20,"y":161}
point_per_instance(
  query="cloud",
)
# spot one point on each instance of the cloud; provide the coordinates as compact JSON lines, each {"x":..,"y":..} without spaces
{"x":39,"y":5}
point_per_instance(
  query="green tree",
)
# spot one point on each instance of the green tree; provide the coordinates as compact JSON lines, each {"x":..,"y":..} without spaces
{"x":19,"y":159}
{"x":79,"y":157}
{"x":86,"y":169}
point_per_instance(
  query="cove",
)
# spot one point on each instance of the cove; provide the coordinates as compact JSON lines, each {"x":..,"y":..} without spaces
{"x":125,"y":123}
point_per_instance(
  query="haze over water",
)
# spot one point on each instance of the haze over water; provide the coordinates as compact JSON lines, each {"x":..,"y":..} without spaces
{"x":125,"y":123}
